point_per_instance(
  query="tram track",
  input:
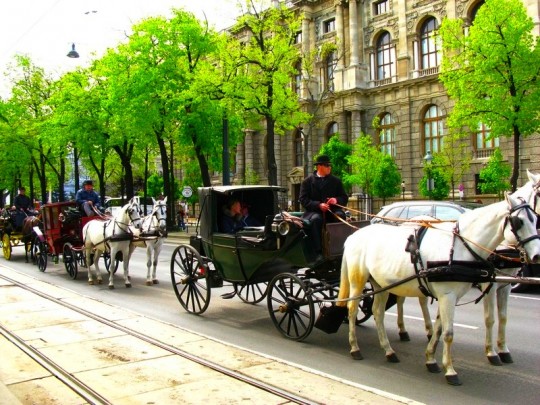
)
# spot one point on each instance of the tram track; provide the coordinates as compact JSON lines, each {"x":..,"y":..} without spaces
{"x":93,"y":397}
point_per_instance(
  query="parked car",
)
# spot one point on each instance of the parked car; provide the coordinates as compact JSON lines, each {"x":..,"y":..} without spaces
{"x":443,"y":210}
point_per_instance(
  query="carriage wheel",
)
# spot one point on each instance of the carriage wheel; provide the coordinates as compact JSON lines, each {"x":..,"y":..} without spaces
{"x":70,"y":261}
{"x":365,"y":305}
{"x":251,"y":293}
{"x":6,"y":246}
{"x":107,"y":260}
{"x":189,"y":276}
{"x":40,"y":254}
{"x":291,"y":306}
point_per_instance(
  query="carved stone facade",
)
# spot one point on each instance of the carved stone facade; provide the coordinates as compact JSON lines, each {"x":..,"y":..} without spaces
{"x":360,"y":93}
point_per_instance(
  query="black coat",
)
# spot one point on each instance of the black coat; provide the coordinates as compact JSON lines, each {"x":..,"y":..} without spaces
{"x":315,"y":190}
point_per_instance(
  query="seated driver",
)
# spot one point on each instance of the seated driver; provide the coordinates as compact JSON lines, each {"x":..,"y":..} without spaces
{"x":87,"y":199}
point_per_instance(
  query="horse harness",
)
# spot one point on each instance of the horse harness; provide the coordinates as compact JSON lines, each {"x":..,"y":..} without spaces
{"x":156,"y":233}
{"x":476,"y":271}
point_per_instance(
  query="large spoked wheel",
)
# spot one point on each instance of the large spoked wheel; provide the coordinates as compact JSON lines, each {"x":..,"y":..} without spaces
{"x":6,"y":246}
{"x":107,"y":260}
{"x":189,"y":276}
{"x":291,"y":306}
{"x":70,"y":261}
{"x":251,"y":293}
{"x":40,"y":254}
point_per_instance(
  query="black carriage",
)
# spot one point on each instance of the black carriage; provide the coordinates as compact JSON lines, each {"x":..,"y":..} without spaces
{"x":62,"y":235}
{"x":276,"y":261}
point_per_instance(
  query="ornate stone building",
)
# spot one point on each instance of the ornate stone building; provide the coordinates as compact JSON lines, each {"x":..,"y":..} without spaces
{"x":386,"y":65}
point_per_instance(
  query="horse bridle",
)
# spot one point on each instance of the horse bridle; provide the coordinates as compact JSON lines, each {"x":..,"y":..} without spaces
{"x":517,"y":223}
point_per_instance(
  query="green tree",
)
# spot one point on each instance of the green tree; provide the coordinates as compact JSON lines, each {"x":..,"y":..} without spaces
{"x":364,"y":162}
{"x":267,"y":59}
{"x":436,"y":171}
{"x":455,"y":159}
{"x":493,"y":72}
{"x":494,"y":176}
{"x":338,"y":152}
{"x":387,"y":182}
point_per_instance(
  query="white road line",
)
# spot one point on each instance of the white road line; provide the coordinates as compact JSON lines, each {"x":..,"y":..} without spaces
{"x":524,"y":298}
{"x":416,"y":318}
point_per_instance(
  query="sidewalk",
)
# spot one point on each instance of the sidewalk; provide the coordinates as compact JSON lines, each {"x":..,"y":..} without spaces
{"x":128,"y":370}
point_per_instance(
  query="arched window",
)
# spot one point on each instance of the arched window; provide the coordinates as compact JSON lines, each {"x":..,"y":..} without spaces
{"x":429,"y":51}
{"x":433,"y":130}
{"x":474,"y":10}
{"x":385,"y":57}
{"x":483,"y":144}
{"x":387,"y":135}
{"x":331,"y":130}
{"x":298,"y":148}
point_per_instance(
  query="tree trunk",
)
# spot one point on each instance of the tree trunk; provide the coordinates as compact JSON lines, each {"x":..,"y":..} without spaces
{"x":515,"y":170}
{"x":270,"y":130}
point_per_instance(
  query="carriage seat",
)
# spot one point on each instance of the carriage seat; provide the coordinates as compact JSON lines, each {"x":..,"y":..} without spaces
{"x":259,"y":236}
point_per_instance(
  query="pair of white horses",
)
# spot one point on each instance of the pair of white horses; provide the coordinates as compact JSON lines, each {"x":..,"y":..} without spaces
{"x":377,"y":253}
{"x":121,"y":234}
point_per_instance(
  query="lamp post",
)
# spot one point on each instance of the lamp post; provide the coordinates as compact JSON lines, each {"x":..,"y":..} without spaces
{"x":403,"y":189}
{"x":73,"y":53}
{"x":430,"y":185}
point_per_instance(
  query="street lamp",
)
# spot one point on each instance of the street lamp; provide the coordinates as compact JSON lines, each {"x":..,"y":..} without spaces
{"x":403,"y":189}
{"x":430,"y":183}
{"x":73,"y":53}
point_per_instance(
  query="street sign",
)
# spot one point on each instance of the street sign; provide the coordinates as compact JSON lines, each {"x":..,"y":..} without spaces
{"x":187,"y":192}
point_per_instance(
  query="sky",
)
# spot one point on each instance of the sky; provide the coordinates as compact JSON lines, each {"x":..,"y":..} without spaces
{"x":46,"y":29}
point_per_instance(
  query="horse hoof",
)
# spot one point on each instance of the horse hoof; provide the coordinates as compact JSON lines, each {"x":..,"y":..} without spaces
{"x":392,"y":358}
{"x":90,"y":282}
{"x":100,"y":281}
{"x":148,"y":283}
{"x":155,"y":281}
{"x":494,"y":360}
{"x":404,"y":336}
{"x":506,"y":357}
{"x":433,"y":368}
{"x":128,"y":285}
{"x":453,"y":380}
{"x":357,"y":355}
{"x":111,"y":287}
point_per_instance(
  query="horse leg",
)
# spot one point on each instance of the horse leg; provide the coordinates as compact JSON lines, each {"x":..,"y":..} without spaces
{"x":157,"y":251}
{"x":431,"y":362}
{"x":503,"y":293}
{"x":489,"y":321}
{"x":125,"y":254}
{"x":149,"y":249}
{"x":447,"y":304}
{"x":403,"y":334}
{"x":87,"y":255}
{"x":97,"y":255}
{"x":428,"y":325}
{"x":353,"y":341}
{"x":379,"y":308}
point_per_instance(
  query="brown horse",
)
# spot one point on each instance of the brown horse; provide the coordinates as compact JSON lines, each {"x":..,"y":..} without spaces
{"x":30,"y":227}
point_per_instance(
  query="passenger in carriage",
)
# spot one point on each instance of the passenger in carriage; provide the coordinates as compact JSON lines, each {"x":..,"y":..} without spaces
{"x":232,"y":216}
{"x":87,"y":199}
{"x":247,"y":218}
{"x":320,"y":193}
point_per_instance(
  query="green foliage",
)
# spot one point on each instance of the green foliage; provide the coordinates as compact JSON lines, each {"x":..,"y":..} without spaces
{"x":374,"y":171}
{"x":154,"y":185}
{"x":494,"y":176}
{"x":251,"y":176}
{"x":441,"y":188}
{"x":387,"y":182}
{"x":338,"y":152}
{"x":493,"y":72}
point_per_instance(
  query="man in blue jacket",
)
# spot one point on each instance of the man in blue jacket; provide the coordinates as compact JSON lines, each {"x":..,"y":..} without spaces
{"x":87,"y":198}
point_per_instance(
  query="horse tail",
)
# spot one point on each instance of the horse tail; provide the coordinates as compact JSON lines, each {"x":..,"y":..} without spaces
{"x":344,"y":284}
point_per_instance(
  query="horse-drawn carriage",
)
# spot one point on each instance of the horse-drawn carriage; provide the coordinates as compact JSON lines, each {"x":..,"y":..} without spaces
{"x":18,"y":232}
{"x":275,"y":261}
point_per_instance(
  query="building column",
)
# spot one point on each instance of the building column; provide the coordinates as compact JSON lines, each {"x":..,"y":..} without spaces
{"x":339,"y":34}
{"x":353,"y":32}
{"x":356,"y":124}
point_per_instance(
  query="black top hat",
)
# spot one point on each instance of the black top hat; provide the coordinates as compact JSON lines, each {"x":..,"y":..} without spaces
{"x":322,"y":160}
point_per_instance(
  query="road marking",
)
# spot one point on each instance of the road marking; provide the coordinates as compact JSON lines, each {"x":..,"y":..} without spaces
{"x":525,"y":298}
{"x":417,"y":318}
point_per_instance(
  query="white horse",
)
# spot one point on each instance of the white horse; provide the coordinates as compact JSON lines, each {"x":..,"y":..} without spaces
{"x":377,"y":252}
{"x":152,"y":232}
{"x":495,"y":300}
{"x":112,"y":235}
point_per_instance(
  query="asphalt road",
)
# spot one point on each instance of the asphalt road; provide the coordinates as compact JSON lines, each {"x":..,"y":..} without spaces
{"x":250,"y":327}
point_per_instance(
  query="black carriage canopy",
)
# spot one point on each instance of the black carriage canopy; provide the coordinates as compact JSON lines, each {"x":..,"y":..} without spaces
{"x":261,"y":201}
